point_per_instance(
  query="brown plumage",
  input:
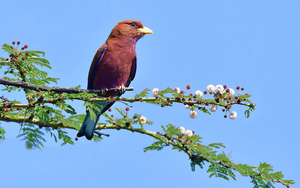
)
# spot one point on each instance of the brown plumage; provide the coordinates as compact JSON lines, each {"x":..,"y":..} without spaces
{"x":113,"y":66}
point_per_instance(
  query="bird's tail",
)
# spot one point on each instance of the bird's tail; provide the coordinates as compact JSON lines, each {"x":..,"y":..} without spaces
{"x":88,"y":126}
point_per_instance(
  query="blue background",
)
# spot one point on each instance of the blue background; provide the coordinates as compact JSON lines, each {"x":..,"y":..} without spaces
{"x":253,"y":44}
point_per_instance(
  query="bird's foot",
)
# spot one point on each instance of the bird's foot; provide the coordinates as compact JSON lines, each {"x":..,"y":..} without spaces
{"x":121,"y":89}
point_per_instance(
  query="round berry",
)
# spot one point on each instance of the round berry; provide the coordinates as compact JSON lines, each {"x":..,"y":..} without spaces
{"x":227,"y":90}
{"x":206,"y":103}
{"x":198,"y":144}
{"x":135,"y":116}
{"x":225,"y":86}
{"x":246,"y":94}
{"x":205,"y":92}
{"x":237,"y":87}
{"x":38,"y":94}
{"x":223,"y":110}
{"x":23,"y":58}
{"x":225,"y":116}
{"x":18,"y":42}
{"x":22,"y":48}
{"x":127,"y":108}
{"x":182,"y":92}
{"x":26,"y":53}
{"x":109,"y":109}
{"x":188,"y":87}
{"x":242,"y":89}
{"x":168,"y":98}
{"x":112,"y":116}
{"x":236,"y":97}
{"x":191,"y":94}
{"x":76,"y":139}
{"x":13,"y":42}
{"x":25,"y":46}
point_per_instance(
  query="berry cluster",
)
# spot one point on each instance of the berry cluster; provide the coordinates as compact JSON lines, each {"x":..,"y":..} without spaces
{"x":222,"y":95}
{"x":8,"y":105}
{"x":18,"y":43}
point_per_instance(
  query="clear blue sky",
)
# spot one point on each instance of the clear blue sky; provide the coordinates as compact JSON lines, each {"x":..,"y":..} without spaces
{"x":254,"y":44}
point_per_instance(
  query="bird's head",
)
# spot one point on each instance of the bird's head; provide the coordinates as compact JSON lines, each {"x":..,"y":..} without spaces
{"x":129,"y":29}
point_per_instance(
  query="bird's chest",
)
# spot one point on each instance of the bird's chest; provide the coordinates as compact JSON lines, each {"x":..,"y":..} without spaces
{"x":114,"y":69}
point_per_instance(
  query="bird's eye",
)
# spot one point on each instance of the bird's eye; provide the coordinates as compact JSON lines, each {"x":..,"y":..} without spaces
{"x":132,"y":24}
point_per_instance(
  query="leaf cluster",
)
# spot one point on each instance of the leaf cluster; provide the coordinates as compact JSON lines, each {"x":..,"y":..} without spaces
{"x":50,"y":113}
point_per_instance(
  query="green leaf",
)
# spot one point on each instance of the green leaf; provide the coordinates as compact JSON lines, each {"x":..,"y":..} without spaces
{"x":69,"y":109}
{"x":144,"y":93}
{"x":92,"y":108}
{"x":64,"y":136}
{"x":216,"y":145}
{"x":155,"y":146}
{"x":2,"y":132}
{"x":33,"y":137}
{"x":244,"y":96}
{"x":168,"y":90}
{"x":8,"y":48}
{"x":247,"y":113}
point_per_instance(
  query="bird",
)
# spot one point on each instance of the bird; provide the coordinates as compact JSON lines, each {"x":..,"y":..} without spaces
{"x":114,"y":66}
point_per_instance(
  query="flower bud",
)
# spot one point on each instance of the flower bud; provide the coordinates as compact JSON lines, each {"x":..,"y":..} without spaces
{"x":143,"y":119}
{"x":189,"y":133}
{"x":210,"y":88}
{"x":182,"y":130}
{"x":198,"y":93}
{"x":213,"y":108}
{"x":155,"y":92}
{"x":231,"y":92}
{"x":193,"y":114}
{"x":220,"y":88}
{"x":233,"y":115}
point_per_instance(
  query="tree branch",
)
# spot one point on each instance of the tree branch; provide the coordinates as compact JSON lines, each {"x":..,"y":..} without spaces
{"x":58,"y":89}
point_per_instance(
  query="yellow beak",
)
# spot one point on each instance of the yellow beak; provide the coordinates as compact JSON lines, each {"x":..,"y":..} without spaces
{"x":145,"y":30}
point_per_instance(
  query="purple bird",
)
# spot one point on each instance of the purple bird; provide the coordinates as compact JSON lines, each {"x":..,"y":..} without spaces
{"x":113,"y":66}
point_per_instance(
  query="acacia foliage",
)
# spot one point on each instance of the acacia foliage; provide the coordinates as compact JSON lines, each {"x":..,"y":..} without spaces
{"x":47,"y":112}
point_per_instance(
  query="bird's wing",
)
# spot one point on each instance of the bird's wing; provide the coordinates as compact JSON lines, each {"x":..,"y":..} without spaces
{"x":132,"y":72}
{"x":96,"y":61}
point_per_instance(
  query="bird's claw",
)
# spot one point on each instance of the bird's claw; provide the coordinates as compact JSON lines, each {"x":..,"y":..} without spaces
{"x":121,"y":89}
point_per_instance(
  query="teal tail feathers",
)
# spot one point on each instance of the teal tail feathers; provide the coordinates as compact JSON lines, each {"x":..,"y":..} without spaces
{"x":88,"y":126}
